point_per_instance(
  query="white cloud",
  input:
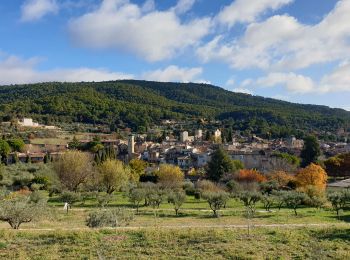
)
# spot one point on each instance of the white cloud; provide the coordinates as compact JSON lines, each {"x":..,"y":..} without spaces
{"x":14,"y":70}
{"x":282,"y":43}
{"x":243,"y":11}
{"x":156,"y":35}
{"x":183,"y":6}
{"x":148,"y":6}
{"x":174,"y":73}
{"x":243,"y":90}
{"x":36,"y":9}
{"x":293,"y":82}
{"x":338,"y":80}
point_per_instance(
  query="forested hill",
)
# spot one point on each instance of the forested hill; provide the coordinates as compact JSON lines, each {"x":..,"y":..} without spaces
{"x":139,"y":103}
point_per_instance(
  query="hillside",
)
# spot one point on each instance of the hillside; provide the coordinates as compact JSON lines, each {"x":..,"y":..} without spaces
{"x":138,"y":104}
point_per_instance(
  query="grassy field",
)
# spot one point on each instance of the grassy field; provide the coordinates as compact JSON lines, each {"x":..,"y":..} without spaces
{"x":194,"y":234}
{"x":167,"y":243}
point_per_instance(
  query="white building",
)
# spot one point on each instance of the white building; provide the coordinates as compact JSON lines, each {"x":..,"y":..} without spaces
{"x":184,"y":136}
{"x":198,"y":134}
{"x":28,"y":122}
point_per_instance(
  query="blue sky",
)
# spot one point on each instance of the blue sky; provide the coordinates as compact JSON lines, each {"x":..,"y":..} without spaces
{"x":294,"y":50}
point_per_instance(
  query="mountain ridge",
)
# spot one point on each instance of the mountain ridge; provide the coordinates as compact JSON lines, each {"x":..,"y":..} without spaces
{"x":121,"y":102}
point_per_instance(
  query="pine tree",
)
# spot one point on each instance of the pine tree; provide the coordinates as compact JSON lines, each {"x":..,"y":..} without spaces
{"x":311,"y":151}
{"x":219,"y":164}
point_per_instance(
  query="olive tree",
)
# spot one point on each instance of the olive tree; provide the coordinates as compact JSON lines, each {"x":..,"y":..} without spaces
{"x":216,"y":200}
{"x":294,"y":199}
{"x":339,"y":200}
{"x":249,"y":199}
{"x":18,"y":209}
{"x":136,"y":196}
{"x":177,"y":198}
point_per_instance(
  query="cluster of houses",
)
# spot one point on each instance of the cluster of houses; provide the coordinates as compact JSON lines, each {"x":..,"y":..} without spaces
{"x":187,"y":151}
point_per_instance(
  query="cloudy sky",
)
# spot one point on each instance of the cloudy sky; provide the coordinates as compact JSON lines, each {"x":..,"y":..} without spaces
{"x":294,"y":50}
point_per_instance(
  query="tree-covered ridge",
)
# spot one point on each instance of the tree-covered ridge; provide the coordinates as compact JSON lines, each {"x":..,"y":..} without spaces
{"x":138,"y":104}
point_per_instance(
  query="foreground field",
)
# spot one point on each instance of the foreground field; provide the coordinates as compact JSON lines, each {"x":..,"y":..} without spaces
{"x":165,"y":243}
{"x":194,"y":234}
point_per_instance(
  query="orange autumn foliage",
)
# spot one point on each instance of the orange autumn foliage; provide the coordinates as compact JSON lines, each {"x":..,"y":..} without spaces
{"x":312,"y":175}
{"x":250,"y":176}
{"x":281,"y":177}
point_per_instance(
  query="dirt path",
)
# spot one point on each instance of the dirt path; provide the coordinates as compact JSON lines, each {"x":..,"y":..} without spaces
{"x":196,"y":226}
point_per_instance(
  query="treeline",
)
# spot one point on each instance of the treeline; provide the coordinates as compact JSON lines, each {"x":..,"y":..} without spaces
{"x":140,"y":104}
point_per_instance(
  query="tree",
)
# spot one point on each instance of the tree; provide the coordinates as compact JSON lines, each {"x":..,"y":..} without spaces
{"x":216,"y":200}
{"x":73,"y":168}
{"x":177,"y":198}
{"x":137,"y":168}
{"x":281,"y":178}
{"x":114,"y":175}
{"x":170,"y":176}
{"x":338,"y":166}
{"x":268,"y":201}
{"x":293,"y":199}
{"x":4,"y":150}
{"x":18,"y":209}
{"x":339,"y":200}
{"x":74,"y":144}
{"x":313,"y":175}
{"x":155,"y":197}
{"x":136,"y":196}
{"x":311,"y":151}
{"x":219,"y":164}
{"x":249,"y":199}
{"x":16,"y":144}
{"x":250,"y":176}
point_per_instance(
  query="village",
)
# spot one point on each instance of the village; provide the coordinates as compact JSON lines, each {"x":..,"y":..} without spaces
{"x":190,"y":149}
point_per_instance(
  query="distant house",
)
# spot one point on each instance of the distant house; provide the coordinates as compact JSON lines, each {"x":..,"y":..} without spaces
{"x":28,"y":122}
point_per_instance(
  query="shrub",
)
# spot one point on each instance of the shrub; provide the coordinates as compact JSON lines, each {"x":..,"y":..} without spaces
{"x":189,"y":188}
{"x":109,"y":218}
{"x":207,"y":186}
{"x":103,"y":199}
{"x":250,"y":176}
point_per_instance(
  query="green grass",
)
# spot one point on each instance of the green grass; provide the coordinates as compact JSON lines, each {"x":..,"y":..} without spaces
{"x":160,"y":243}
{"x":194,"y":234}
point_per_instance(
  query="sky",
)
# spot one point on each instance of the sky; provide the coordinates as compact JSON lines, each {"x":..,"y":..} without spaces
{"x":293,"y":50}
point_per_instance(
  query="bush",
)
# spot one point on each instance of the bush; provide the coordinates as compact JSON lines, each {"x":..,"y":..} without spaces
{"x":109,"y":218}
{"x":189,"y":188}
{"x":207,"y":186}
{"x":104,"y":199}
{"x":37,"y":197}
